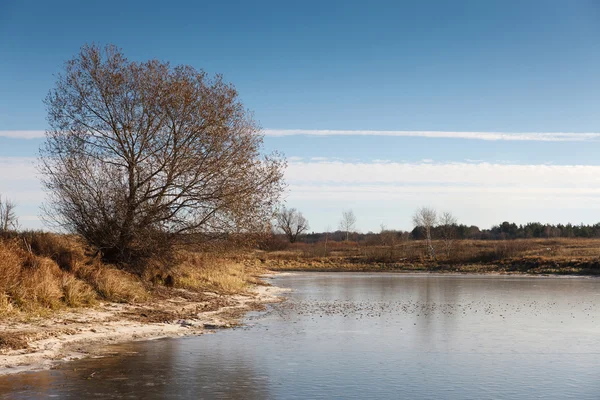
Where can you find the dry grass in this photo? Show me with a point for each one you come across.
(43, 271)
(28, 282)
(552, 256)
(77, 293)
(208, 273)
(113, 284)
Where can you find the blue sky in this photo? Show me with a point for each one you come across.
(370, 72)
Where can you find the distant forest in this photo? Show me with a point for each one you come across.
(505, 230)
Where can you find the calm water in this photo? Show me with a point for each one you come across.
(366, 336)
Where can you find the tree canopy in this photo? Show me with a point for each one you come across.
(137, 153)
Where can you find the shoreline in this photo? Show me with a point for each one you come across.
(435, 272)
(491, 274)
(83, 333)
(530, 267)
(71, 335)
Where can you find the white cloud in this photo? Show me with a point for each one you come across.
(490, 136)
(17, 168)
(478, 192)
(435, 189)
(381, 161)
(22, 134)
(494, 136)
(449, 174)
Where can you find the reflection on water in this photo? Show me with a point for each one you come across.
(367, 336)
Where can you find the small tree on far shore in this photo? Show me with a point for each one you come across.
(348, 223)
(447, 231)
(292, 223)
(426, 218)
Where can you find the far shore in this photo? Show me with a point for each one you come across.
(526, 267)
(491, 274)
(579, 257)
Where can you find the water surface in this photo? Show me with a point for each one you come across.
(358, 336)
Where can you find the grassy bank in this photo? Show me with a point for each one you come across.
(530, 256)
(41, 273)
(58, 301)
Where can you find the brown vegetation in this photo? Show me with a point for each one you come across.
(42, 271)
(548, 256)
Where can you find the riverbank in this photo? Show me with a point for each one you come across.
(41, 343)
(60, 301)
(550, 256)
(514, 266)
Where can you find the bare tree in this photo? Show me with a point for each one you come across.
(348, 222)
(139, 153)
(447, 229)
(426, 218)
(291, 222)
(8, 217)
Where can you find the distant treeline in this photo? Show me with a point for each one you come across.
(505, 230)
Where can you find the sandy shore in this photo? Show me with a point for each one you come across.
(84, 333)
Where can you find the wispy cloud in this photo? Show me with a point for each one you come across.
(491, 136)
(22, 134)
(449, 174)
(17, 169)
(400, 191)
